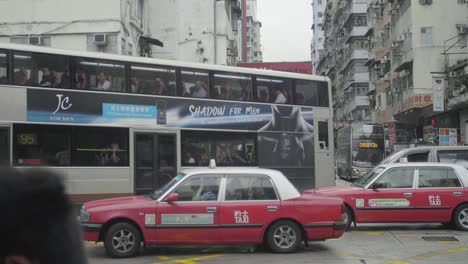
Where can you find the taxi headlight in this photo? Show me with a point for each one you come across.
(84, 215)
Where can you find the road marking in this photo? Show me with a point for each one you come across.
(374, 233)
(191, 260)
(426, 256)
(164, 257)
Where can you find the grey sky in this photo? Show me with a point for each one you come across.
(285, 33)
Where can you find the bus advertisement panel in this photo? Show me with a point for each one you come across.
(285, 133)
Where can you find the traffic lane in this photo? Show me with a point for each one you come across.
(373, 243)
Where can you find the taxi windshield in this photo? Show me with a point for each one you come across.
(368, 177)
(157, 194)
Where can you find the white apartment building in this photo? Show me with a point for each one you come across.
(253, 52)
(198, 31)
(407, 42)
(119, 27)
(318, 7)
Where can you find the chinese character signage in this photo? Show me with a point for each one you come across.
(438, 84)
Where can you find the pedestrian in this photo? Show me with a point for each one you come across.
(38, 225)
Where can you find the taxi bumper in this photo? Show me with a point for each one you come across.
(91, 231)
(326, 230)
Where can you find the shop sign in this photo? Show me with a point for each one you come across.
(438, 84)
(448, 137)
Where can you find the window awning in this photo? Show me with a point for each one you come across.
(404, 65)
(152, 41)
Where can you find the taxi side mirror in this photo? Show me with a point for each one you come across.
(380, 185)
(172, 197)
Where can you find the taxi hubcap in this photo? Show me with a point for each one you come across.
(463, 218)
(284, 237)
(123, 241)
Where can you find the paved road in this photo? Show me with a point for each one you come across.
(395, 244)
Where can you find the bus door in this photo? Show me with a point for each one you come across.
(324, 158)
(4, 145)
(155, 160)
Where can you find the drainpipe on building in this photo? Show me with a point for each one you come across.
(215, 34)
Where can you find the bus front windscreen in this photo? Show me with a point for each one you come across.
(368, 145)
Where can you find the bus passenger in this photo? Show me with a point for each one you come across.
(22, 76)
(199, 90)
(82, 81)
(160, 87)
(264, 96)
(135, 85)
(47, 78)
(280, 97)
(103, 82)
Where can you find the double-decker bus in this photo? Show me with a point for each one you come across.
(119, 125)
(360, 147)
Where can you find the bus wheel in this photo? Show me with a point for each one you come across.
(122, 241)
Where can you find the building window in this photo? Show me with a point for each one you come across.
(274, 90)
(389, 98)
(151, 79)
(195, 83)
(100, 75)
(426, 37)
(3, 68)
(45, 70)
(232, 87)
(228, 149)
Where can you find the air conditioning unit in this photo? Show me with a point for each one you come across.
(35, 40)
(462, 29)
(101, 39)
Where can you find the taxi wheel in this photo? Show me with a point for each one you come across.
(122, 240)
(349, 218)
(460, 217)
(284, 237)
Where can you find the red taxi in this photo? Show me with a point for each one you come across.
(218, 206)
(407, 193)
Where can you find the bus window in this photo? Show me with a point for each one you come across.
(230, 86)
(97, 146)
(274, 90)
(157, 80)
(3, 68)
(195, 83)
(41, 145)
(100, 75)
(323, 134)
(229, 149)
(322, 92)
(44, 70)
(306, 93)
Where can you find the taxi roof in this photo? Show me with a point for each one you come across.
(461, 171)
(285, 188)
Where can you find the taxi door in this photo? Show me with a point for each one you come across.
(439, 191)
(194, 218)
(249, 205)
(390, 198)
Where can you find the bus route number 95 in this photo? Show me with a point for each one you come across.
(27, 139)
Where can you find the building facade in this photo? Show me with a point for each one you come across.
(188, 29)
(119, 27)
(252, 47)
(344, 57)
(413, 45)
(318, 8)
